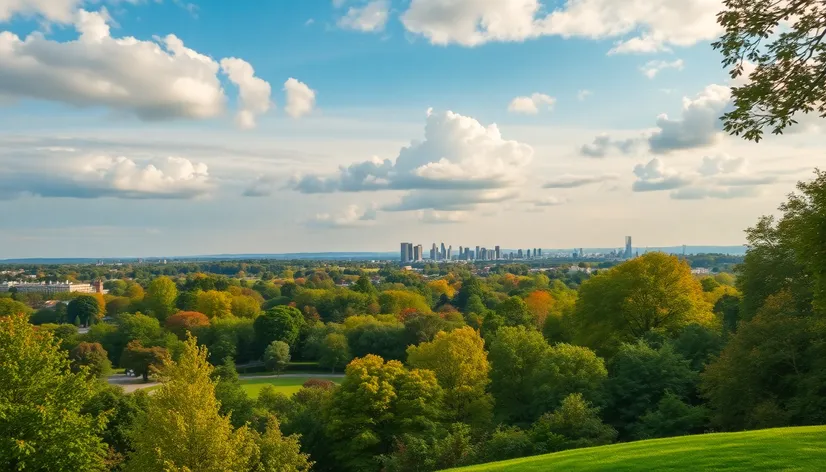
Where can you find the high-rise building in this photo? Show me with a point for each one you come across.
(434, 255)
(476, 254)
(519, 254)
(498, 253)
(406, 252)
(629, 251)
(443, 252)
(417, 253)
(449, 253)
(540, 252)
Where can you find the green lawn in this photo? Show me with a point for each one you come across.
(288, 385)
(766, 450)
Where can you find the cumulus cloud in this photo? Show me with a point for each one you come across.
(154, 80)
(253, 92)
(638, 25)
(655, 176)
(434, 217)
(74, 175)
(352, 217)
(574, 181)
(699, 125)
(300, 98)
(604, 145)
(61, 11)
(583, 94)
(652, 68)
(460, 162)
(370, 17)
(531, 105)
(721, 177)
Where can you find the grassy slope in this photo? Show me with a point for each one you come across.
(766, 450)
(288, 385)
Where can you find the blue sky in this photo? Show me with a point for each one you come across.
(200, 143)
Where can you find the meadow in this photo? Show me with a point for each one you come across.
(799, 449)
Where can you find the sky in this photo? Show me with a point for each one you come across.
(136, 128)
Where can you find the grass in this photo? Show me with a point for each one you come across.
(792, 449)
(287, 385)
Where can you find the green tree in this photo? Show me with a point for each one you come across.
(653, 292)
(308, 418)
(84, 309)
(10, 307)
(42, 426)
(277, 356)
(709, 284)
(672, 417)
(363, 285)
(234, 401)
(573, 425)
(376, 403)
(281, 323)
(122, 409)
(160, 297)
(783, 44)
(470, 287)
(396, 301)
(334, 352)
(93, 357)
(516, 356)
(772, 371)
(507, 442)
(279, 453)
(640, 376)
(182, 428)
(245, 306)
(461, 366)
(515, 312)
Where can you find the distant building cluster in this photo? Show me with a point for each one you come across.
(52, 287)
(415, 253)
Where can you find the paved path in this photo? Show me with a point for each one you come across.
(130, 384)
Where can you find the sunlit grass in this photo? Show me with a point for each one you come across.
(794, 449)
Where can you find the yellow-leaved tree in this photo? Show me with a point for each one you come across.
(459, 360)
(182, 430)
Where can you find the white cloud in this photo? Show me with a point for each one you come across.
(97, 176)
(253, 92)
(722, 164)
(352, 217)
(457, 153)
(604, 145)
(371, 17)
(530, 105)
(652, 68)
(583, 94)
(263, 186)
(154, 80)
(699, 125)
(300, 98)
(638, 25)
(656, 176)
(574, 181)
(442, 217)
(61, 11)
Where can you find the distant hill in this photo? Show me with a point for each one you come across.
(754, 451)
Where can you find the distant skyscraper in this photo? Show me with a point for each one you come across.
(540, 252)
(449, 253)
(443, 251)
(629, 251)
(406, 252)
(476, 254)
(434, 255)
(519, 254)
(498, 253)
(418, 253)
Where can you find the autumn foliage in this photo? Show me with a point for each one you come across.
(184, 321)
